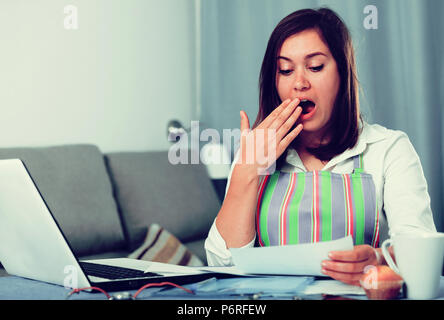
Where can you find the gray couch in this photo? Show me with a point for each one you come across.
(105, 202)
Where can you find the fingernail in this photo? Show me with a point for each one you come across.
(324, 264)
(324, 271)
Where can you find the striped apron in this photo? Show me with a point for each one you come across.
(315, 206)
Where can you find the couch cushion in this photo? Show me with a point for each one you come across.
(75, 185)
(197, 247)
(150, 190)
(161, 246)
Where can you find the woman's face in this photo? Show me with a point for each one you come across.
(307, 70)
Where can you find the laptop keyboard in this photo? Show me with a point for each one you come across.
(112, 272)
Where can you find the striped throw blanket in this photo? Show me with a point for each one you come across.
(161, 246)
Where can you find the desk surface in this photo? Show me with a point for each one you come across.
(17, 288)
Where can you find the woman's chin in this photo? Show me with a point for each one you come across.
(309, 127)
(311, 131)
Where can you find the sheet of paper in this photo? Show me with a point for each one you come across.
(301, 259)
(158, 267)
(229, 270)
(333, 287)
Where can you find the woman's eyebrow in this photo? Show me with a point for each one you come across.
(308, 56)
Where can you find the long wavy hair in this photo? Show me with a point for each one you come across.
(343, 126)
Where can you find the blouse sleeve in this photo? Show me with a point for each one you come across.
(215, 245)
(406, 199)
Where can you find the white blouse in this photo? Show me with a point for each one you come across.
(401, 188)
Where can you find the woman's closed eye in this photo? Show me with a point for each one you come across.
(287, 72)
(317, 69)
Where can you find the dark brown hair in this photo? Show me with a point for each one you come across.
(343, 126)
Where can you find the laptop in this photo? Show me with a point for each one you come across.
(32, 244)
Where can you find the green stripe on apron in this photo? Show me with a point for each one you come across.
(281, 210)
(358, 197)
(293, 221)
(326, 215)
(266, 198)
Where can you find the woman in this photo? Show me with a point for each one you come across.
(335, 174)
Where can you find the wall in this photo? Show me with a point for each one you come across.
(115, 81)
(399, 68)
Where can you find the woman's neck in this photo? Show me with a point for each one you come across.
(310, 140)
(310, 161)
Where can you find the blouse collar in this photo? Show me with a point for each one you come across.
(368, 135)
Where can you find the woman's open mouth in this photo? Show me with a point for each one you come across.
(308, 109)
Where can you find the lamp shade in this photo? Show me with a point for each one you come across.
(215, 157)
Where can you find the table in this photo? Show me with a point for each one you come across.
(45, 299)
(17, 288)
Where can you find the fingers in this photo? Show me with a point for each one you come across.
(349, 278)
(285, 142)
(282, 117)
(359, 253)
(245, 123)
(288, 124)
(273, 129)
(279, 115)
(347, 267)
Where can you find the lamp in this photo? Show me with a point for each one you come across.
(175, 129)
(213, 154)
(217, 160)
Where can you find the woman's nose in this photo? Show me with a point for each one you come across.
(301, 83)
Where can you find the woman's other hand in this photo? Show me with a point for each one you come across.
(348, 266)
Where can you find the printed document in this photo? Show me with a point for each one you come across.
(299, 259)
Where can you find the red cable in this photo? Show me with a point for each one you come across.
(159, 285)
(90, 288)
(138, 291)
